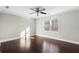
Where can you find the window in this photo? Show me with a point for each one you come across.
(51, 25)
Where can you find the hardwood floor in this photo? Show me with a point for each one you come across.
(38, 45)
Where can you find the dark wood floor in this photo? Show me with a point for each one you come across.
(38, 45)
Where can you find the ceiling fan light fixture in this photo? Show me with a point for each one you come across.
(38, 10)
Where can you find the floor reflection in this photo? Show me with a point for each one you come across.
(25, 42)
(50, 48)
(0, 47)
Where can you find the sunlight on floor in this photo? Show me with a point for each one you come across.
(50, 48)
(25, 38)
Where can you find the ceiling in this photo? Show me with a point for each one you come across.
(25, 11)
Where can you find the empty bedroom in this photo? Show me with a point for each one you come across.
(39, 29)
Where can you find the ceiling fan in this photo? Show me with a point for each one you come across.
(7, 7)
(38, 10)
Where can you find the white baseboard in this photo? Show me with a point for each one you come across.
(12, 39)
(58, 39)
(32, 34)
(9, 39)
(43, 36)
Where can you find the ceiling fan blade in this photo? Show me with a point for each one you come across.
(42, 9)
(43, 12)
(32, 12)
(33, 9)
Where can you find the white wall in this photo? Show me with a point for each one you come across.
(32, 23)
(68, 26)
(68, 23)
(11, 26)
